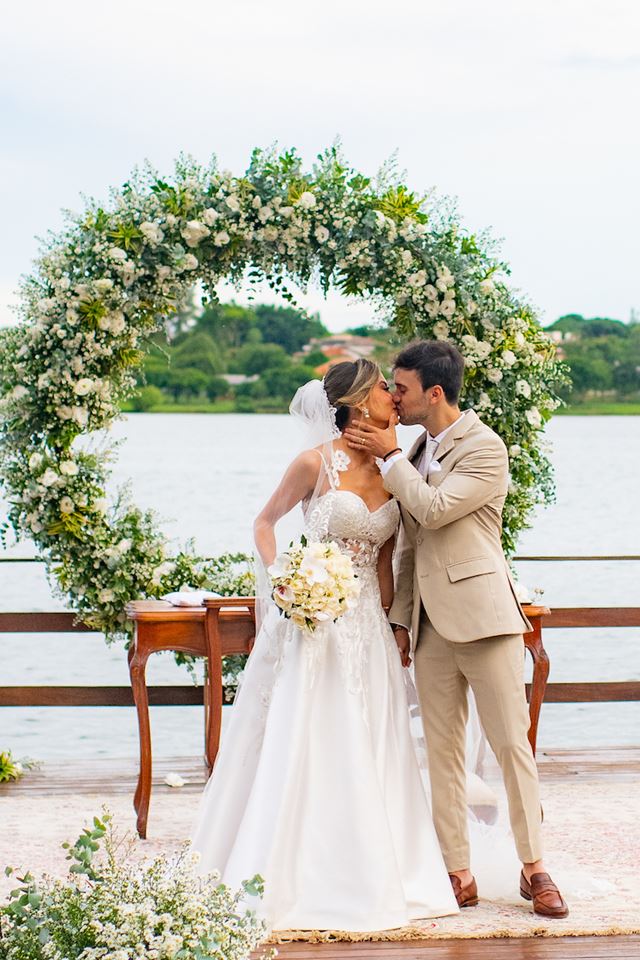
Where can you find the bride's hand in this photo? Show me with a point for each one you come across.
(404, 645)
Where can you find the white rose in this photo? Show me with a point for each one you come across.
(523, 388)
(515, 450)
(441, 284)
(256, 203)
(163, 272)
(190, 262)
(171, 220)
(80, 415)
(100, 505)
(509, 358)
(35, 461)
(106, 596)
(430, 292)
(448, 308)
(322, 234)
(494, 375)
(151, 232)
(194, 231)
(66, 505)
(69, 468)
(441, 330)
(19, 392)
(103, 284)
(417, 279)
(520, 339)
(221, 238)
(270, 234)
(307, 200)
(533, 417)
(486, 286)
(233, 203)
(117, 322)
(407, 258)
(264, 214)
(64, 413)
(49, 478)
(84, 386)
(210, 216)
(116, 253)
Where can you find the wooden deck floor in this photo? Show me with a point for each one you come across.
(107, 777)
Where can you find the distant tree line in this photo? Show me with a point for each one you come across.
(202, 345)
(603, 354)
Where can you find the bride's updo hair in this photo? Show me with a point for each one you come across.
(348, 384)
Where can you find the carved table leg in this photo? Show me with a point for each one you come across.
(137, 666)
(533, 642)
(213, 686)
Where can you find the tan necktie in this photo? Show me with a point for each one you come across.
(429, 453)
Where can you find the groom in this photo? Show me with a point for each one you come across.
(454, 589)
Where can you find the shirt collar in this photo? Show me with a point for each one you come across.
(444, 432)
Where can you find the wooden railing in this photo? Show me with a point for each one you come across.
(189, 695)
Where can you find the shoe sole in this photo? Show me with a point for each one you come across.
(469, 903)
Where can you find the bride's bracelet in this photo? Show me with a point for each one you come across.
(391, 452)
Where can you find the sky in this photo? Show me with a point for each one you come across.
(526, 112)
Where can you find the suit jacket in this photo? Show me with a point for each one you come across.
(450, 558)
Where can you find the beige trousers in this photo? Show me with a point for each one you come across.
(493, 668)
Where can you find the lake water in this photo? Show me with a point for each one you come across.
(207, 476)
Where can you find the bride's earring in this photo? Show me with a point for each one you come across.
(365, 412)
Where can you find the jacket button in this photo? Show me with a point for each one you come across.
(418, 540)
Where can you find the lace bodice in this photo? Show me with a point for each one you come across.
(343, 516)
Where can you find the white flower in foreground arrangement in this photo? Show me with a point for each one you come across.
(306, 200)
(509, 358)
(163, 272)
(515, 450)
(233, 203)
(152, 232)
(534, 417)
(494, 375)
(175, 780)
(80, 415)
(322, 234)
(487, 286)
(66, 505)
(103, 284)
(106, 596)
(193, 232)
(19, 392)
(117, 253)
(417, 279)
(84, 386)
(523, 389)
(35, 461)
(221, 239)
(69, 468)
(49, 478)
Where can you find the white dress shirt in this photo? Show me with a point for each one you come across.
(429, 452)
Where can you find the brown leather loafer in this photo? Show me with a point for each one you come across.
(547, 900)
(466, 896)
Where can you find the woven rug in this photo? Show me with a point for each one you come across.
(591, 835)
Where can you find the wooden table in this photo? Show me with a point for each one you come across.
(211, 633)
(224, 627)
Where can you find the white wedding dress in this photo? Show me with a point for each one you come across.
(317, 786)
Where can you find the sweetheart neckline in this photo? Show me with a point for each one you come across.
(371, 513)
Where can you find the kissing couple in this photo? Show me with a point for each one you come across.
(317, 786)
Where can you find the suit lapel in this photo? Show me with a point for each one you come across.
(456, 433)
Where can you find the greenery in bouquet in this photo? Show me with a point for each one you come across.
(115, 908)
(119, 271)
(11, 769)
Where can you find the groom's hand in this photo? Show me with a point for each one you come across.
(403, 643)
(376, 441)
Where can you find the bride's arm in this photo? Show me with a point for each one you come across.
(298, 482)
(385, 573)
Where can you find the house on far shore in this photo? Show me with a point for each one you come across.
(338, 347)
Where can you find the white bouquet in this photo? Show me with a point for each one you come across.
(314, 583)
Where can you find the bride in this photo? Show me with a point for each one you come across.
(317, 786)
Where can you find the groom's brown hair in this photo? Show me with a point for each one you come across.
(435, 362)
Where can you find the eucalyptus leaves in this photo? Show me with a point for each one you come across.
(117, 272)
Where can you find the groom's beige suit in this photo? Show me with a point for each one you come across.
(454, 588)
